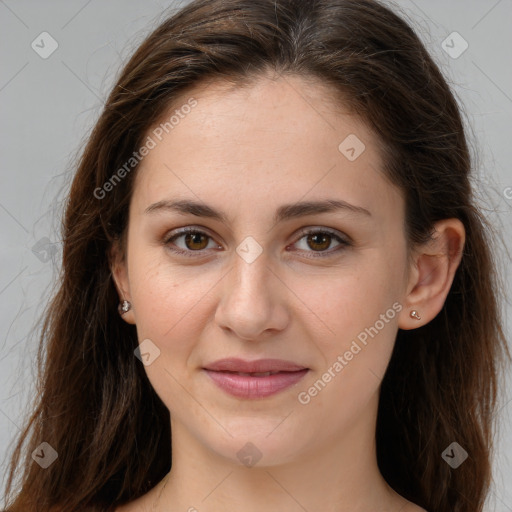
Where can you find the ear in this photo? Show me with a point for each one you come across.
(119, 271)
(431, 276)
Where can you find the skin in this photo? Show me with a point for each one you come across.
(247, 151)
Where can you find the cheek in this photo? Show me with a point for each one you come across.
(359, 313)
(362, 329)
(351, 299)
(172, 308)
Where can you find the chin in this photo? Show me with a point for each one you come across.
(256, 445)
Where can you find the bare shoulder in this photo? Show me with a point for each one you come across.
(138, 505)
(141, 504)
(129, 507)
(411, 507)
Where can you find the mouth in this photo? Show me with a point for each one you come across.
(254, 379)
(255, 374)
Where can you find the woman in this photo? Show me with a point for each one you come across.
(271, 252)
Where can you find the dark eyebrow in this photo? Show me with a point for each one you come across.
(285, 212)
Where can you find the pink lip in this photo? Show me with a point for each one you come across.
(233, 364)
(222, 372)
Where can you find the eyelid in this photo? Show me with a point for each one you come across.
(344, 241)
(176, 233)
(320, 229)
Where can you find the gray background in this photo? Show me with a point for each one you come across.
(48, 106)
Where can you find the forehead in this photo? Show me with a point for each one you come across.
(282, 138)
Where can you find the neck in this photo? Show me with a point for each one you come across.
(334, 475)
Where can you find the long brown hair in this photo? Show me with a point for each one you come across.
(95, 402)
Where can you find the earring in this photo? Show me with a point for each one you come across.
(414, 314)
(123, 307)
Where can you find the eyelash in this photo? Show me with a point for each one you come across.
(344, 243)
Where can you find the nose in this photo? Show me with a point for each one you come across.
(253, 300)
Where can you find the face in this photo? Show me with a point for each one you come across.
(261, 277)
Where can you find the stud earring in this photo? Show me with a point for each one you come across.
(123, 307)
(414, 314)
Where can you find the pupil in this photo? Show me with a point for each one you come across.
(323, 237)
(195, 237)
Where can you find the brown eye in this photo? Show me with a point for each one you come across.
(195, 241)
(319, 241)
(188, 241)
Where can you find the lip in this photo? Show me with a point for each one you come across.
(224, 374)
(233, 364)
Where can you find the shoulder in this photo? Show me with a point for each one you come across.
(132, 506)
(411, 507)
(142, 504)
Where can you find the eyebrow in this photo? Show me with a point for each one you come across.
(284, 212)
